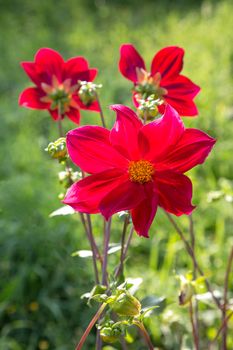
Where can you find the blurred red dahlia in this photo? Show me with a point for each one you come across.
(57, 84)
(136, 167)
(164, 80)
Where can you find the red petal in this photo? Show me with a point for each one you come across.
(157, 137)
(78, 68)
(129, 61)
(94, 106)
(92, 73)
(86, 75)
(49, 62)
(180, 93)
(54, 114)
(180, 86)
(168, 62)
(75, 65)
(191, 150)
(30, 69)
(85, 195)
(134, 98)
(143, 215)
(89, 148)
(184, 106)
(124, 134)
(174, 192)
(74, 115)
(127, 195)
(30, 98)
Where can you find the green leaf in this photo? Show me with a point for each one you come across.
(88, 253)
(148, 311)
(157, 303)
(114, 247)
(83, 253)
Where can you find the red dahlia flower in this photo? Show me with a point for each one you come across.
(57, 84)
(136, 167)
(164, 81)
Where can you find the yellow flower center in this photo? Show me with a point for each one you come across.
(141, 171)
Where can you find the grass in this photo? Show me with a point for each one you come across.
(35, 265)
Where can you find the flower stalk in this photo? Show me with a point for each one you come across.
(195, 302)
(105, 253)
(90, 326)
(192, 255)
(120, 268)
(194, 329)
(145, 334)
(225, 301)
(100, 110)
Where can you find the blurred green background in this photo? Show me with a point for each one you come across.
(41, 284)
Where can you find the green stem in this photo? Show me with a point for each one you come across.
(90, 326)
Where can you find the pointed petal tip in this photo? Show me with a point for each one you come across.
(126, 46)
(143, 234)
(116, 107)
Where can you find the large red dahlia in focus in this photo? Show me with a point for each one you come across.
(136, 167)
(164, 80)
(57, 84)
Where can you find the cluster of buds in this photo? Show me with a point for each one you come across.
(123, 304)
(68, 177)
(57, 149)
(87, 92)
(148, 108)
(111, 331)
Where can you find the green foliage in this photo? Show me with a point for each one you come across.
(41, 284)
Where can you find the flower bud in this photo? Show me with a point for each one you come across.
(148, 108)
(68, 177)
(187, 291)
(110, 333)
(126, 305)
(87, 92)
(57, 149)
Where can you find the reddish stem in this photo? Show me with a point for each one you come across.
(90, 326)
(225, 302)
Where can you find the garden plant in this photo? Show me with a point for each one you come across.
(130, 170)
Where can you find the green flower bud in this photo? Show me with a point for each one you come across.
(126, 305)
(148, 107)
(57, 149)
(187, 291)
(110, 334)
(87, 92)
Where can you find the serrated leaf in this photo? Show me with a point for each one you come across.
(65, 210)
